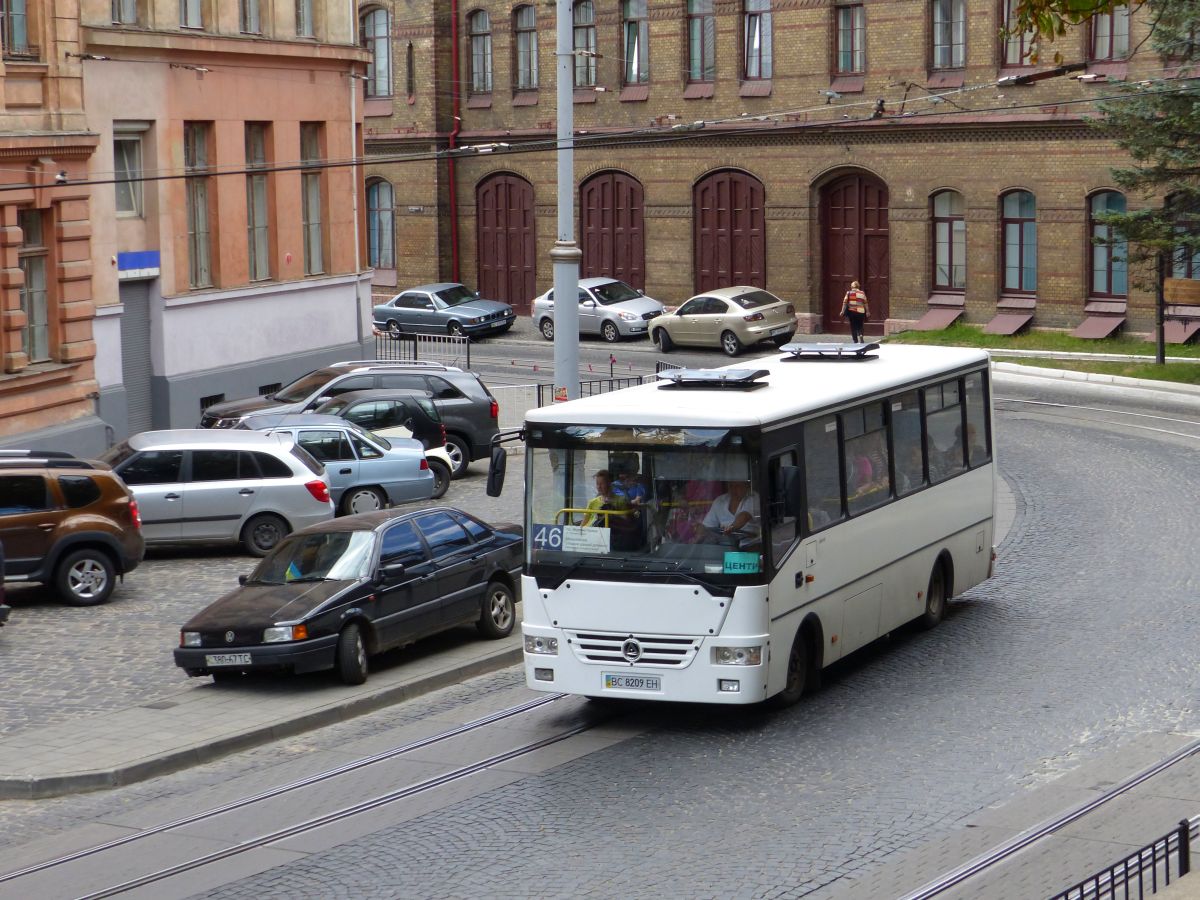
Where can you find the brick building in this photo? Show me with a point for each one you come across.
(791, 144)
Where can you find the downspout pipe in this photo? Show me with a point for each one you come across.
(452, 144)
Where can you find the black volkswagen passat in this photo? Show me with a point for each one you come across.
(331, 595)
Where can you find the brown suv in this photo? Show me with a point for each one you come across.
(67, 522)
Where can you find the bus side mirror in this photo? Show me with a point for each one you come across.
(789, 489)
(495, 479)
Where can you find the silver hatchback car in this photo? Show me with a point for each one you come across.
(607, 307)
(198, 485)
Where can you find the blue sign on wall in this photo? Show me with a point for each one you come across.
(138, 264)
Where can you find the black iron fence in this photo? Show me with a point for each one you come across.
(545, 392)
(1140, 874)
(449, 350)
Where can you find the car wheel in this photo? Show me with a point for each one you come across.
(85, 578)
(460, 455)
(782, 340)
(393, 329)
(441, 478)
(797, 674)
(730, 343)
(935, 598)
(663, 338)
(499, 612)
(362, 499)
(262, 533)
(610, 332)
(547, 329)
(454, 329)
(351, 655)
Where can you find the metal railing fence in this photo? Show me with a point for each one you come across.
(449, 350)
(1143, 873)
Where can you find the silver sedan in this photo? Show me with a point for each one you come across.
(607, 307)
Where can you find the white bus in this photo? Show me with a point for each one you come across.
(864, 479)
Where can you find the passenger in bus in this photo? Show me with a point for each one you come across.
(689, 502)
(606, 499)
(734, 512)
(629, 487)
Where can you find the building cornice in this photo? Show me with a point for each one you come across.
(128, 42)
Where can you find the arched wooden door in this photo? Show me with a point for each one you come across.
(730, 234)
(854, 230)
(613, 237)
(507, 255)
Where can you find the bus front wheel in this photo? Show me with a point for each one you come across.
(935, 598)
(797, 674)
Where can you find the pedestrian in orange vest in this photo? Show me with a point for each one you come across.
(855, 308)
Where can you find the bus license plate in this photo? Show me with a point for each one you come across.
(632, 682)
(227, 659)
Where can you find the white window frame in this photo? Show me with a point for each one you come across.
(310, 195)
(195, 155)
(128, 172)
(35, 299)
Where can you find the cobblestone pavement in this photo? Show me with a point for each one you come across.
(1083, 641)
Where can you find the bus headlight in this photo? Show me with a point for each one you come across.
(737, 656)
(543, 646)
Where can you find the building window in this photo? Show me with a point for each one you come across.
(127, 170)
(585, 43)
(1185, 259)
(949, 33)
(258, 233)
(702, 41)
(526, 44)
(756, 39)
(124, 12)
(851, 39)
(250, 21)
(635, 30)
(191, 13)
(376, 37)
(479, 31)
(381, 231)
(195, 163)
(1018, 46)
(949, 242)
(1109, 259)
(310, 187)
(1110, 34)
(14, 24)
(35, 339)
(410, 71)
(1019, 226)
(304, 18)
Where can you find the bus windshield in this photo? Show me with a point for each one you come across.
(641, 500)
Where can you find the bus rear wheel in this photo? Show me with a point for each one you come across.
(935, 598)
(797, 674)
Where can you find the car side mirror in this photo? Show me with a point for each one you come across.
(641, 293)
(242, 579)
(389, 573)
(495, 479)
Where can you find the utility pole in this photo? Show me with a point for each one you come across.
(566, 254)
(1160, 355)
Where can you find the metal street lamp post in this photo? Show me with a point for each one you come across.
(566, 254)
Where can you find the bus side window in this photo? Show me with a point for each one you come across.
(978, 451)
(906, 442)
(822, 472)
(868, 474)
(783, 526)
(943, 430)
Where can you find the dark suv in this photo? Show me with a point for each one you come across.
(67, 522)
(468, 409)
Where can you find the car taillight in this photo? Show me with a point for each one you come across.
(133, 511)
(319, 490)
(424, 464)
(495, 410)
(753, 317)
(443, 428)
(791, 310)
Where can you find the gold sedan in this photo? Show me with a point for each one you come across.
(732, 318)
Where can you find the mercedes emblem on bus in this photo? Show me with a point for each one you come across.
(631, 650)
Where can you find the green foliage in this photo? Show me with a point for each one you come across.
(960, 335)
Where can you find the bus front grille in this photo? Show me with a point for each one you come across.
(633, 649)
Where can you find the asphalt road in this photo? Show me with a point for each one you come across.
(1082, 643)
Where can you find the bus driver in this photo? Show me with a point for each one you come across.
(734, 511)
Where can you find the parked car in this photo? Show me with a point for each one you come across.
(607, 307)
(366, 472)
(337, 593)
(468, 409)
(4, 610)
(66, 522)
(731, 318)
(198, 486)
(442, 309)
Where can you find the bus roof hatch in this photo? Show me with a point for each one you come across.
(738, 379)
(831, 352)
